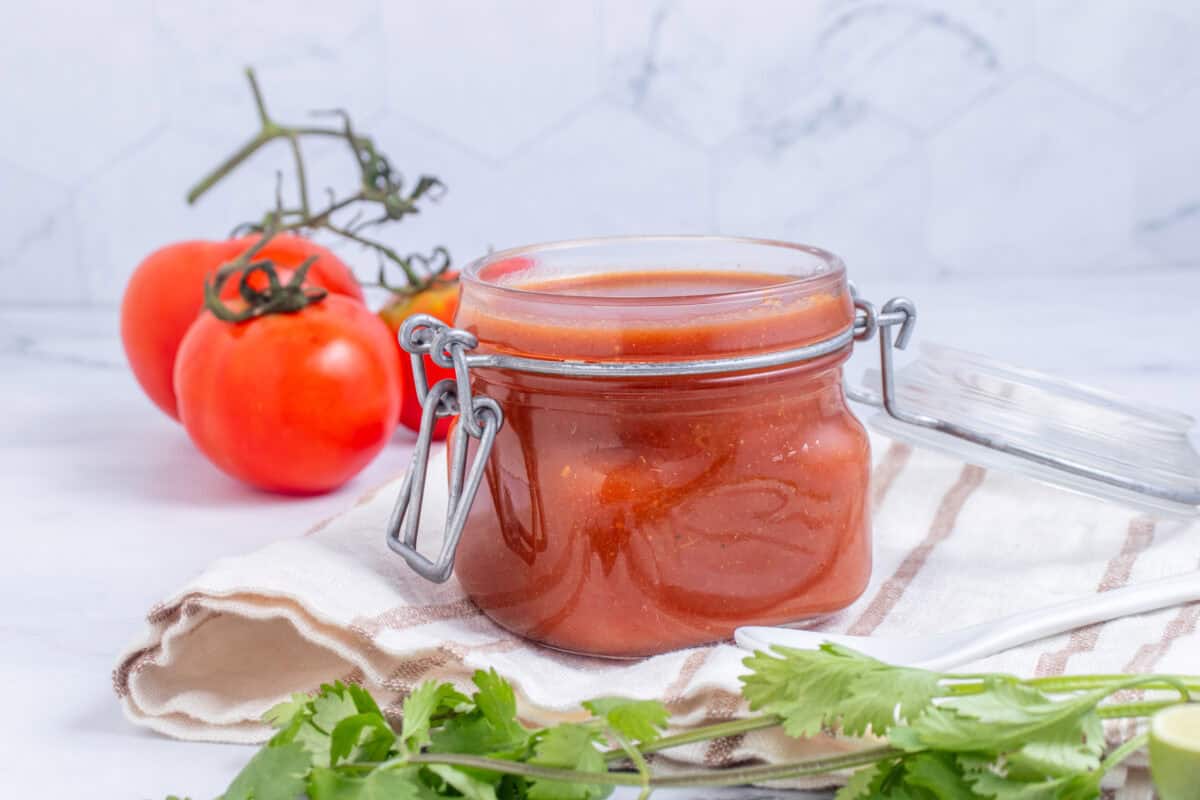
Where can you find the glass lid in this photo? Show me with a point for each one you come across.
(1056, 431)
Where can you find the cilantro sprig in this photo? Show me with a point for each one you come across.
(936, 736)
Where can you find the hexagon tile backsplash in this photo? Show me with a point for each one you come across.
(935, 137)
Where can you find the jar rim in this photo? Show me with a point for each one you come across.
(833, 269)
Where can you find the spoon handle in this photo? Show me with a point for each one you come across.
(988, 638)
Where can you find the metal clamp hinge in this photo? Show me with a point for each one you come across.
(479, 417)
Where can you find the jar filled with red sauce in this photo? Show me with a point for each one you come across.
(634, 515)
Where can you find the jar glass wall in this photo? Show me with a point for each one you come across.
(629, 516)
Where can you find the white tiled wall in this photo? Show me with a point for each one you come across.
(944, 137)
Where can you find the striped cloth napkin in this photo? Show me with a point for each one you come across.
(954, 545)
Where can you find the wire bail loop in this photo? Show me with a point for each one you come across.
(480, 417)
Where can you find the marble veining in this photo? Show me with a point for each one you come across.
(1049, 136)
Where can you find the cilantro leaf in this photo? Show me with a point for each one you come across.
(274, 773)
(495, 698)
(466, 783)
(637, 720)
(314, 719)
(392, 783)
(282, 714)
(473, 735)
(362, 737)
(990, 784)
(803, 687)
(332, 705)
(1054, 736)
(421, 706)
(316, 742)
(884, 780)
(569, 746)
(939, 774)
(491, 728)
(971, 763)
(864, 782)
(815, 689)
(881, 694)
(363, 701)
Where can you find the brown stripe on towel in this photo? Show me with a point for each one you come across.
(405, 677)
(320, 526)
(691, 665)
(943, 525)
(135, 663)
(720, 752)
(163, 614)
(1083, 640)
(160, 614)
(408, 674)
(887, 470)
(1182, 624)
(372, 493)
(1148, 655)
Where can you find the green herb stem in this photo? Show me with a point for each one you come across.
(1079, 683)
(724, 777)
(703, 734)
(1123, 752)
(1070, 684)
(638, 760)
(1144, 708)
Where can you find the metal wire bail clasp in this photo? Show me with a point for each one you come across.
(479, 418)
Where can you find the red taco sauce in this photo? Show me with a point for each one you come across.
(631, 516)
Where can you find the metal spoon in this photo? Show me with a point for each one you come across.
(946, 650)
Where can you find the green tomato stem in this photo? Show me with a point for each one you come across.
(379, 186)
(230, 164)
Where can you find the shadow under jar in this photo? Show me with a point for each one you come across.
(634, 515)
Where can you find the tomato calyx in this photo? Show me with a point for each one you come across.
(276, 297)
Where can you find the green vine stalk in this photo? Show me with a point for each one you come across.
(381, 195)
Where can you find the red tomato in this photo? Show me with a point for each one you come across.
(166, 293)
(440, 301)
(295, 403)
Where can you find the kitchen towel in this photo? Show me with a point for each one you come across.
(954, 545)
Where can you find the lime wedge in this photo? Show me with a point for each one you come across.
(1175, 752)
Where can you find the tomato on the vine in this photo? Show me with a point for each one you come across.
(165, 294)
(441, 301)
(292, 402)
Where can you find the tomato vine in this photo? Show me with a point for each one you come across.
(382, 195)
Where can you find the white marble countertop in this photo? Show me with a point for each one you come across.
(108, 506)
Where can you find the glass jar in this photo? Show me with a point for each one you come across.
(632, 515)
(653, 445)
